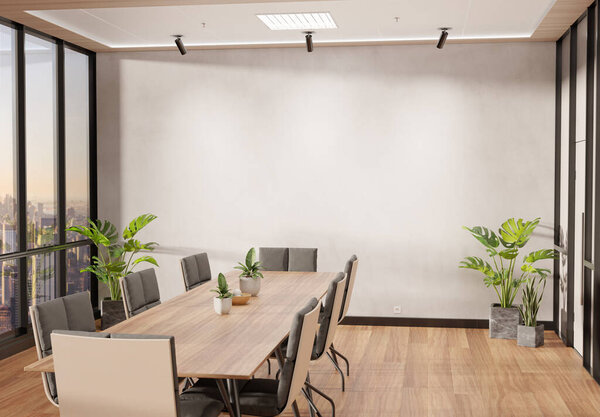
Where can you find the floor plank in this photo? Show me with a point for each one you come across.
(403, 371)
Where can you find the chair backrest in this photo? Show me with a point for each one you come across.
(350, 270)
(302, 259)
(330, 313)
(196, 270)
(117, 376)
(274, 259)
(298, 353)
(72, 312)
(140, 292)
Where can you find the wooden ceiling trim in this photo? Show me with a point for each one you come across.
(559, 18)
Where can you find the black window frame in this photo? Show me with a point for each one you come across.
(22, 337)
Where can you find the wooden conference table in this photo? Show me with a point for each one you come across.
(229, 347)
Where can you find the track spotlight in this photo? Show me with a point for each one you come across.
(309, 42)
(180, 44)
(443, 37)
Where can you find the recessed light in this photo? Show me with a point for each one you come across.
(298, 21)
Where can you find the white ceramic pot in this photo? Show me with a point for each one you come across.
(222, 305)
(250, 285)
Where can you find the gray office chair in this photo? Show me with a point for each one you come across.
(350, 270)
(273, 259)
(269, 397)
(328, 322)
(94, 375)
(73, 312)
(302, 259)
(140, 292)
(196, 270)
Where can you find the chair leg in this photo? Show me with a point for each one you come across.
(309, 392)
(322, 394)
(311, 404)
(295, 409)
(345, 359)
(269, 365)
(337, 367)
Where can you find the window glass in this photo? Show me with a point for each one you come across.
(77, 119)
(8, 208)
(40, 131)
(77, 259)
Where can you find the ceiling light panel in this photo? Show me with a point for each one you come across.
(298, 21)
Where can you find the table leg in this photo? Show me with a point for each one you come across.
(225, 396)
(235, 397)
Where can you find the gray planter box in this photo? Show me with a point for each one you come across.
(504, 322)
(113, 312)
(530, 336)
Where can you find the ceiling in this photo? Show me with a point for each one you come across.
(103, 25)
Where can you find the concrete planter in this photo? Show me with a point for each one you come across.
(504, 322)
(113, 312)
(250, 285)
(222, 305)
(530, 336)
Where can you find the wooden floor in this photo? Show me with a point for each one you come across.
(403, 371)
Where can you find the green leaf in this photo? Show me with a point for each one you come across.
(148, 259)
(478, 264)
(517, 232)
(510, 253)
(540, 255)
(250, 257)
(137, 224)
(485, 236)
(543, 272)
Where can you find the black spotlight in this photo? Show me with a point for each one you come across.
(180, 44)
(309, 42)
(443, 38)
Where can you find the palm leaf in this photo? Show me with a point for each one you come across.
(478, 264)
(137, 224)
(540, 255)
(517, 232)
(510, 253)
(148, 259)
(485, 236)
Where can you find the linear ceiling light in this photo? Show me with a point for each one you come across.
(298, 21)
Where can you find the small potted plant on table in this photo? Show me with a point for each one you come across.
(529, 333)
(251, 275)
(503, 249)
(222, 302)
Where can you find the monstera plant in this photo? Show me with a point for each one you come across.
(116, 258)
(502, 273)
(503, 250)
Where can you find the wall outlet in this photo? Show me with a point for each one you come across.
(397, 309)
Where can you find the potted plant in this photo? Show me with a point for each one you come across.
(222, 302)
(249, 278)
(503, 248)
(529, 333)
(115, 259)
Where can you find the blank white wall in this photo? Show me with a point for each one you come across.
(380, 151)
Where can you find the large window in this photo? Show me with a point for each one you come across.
(47, 178)
(8, 208)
